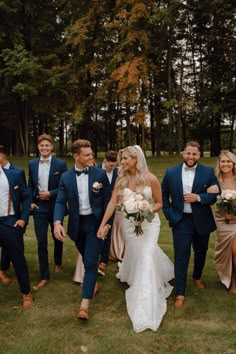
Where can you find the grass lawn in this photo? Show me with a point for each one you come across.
(206, 323)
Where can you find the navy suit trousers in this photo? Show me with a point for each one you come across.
(185, 235)
(11, 239)
(41, 222)
(90, 247)
(5, 260)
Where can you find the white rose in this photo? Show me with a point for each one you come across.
(131, 206)
(227, 194)
(143, 205)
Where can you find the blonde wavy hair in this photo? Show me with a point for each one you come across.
(141, 169)
(218, 172)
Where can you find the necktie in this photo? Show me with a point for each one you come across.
(42, 161)
(78, 172)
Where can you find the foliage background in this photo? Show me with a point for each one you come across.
(155, 73)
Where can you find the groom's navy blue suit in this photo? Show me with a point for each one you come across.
(187, 229)
(82, 229)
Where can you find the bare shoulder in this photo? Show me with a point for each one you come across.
(152, 179)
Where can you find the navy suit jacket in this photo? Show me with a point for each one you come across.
(57, 167)
(173, 202)
(68, 196)
(19, 191)
(114, 176)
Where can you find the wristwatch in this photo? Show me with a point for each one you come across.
(198, 198)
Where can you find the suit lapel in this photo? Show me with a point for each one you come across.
(90, 181)
(74, 182)
(197, 178)
(114, 178)
(36, 171)
(51, 171)
(10, 178)
(179, 179)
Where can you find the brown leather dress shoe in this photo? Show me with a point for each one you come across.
(83, 314)
(4, 278)
(27, 300)
(41, 284)
(179, 301)
(199, 284)
(58, 269)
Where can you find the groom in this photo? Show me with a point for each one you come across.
(86, 190)
(187, 207)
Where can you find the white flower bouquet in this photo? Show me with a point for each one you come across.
(228, 202)
(137, 208)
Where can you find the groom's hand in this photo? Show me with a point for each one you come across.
(102, 232)
(59, 231)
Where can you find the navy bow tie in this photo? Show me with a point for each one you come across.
(78, 172)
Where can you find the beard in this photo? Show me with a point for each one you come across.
(190, 165)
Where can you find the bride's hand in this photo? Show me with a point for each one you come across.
(228, 216)
(213, 189)
(103, 231)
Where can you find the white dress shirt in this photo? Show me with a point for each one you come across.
(188, 174)
(82, 185)
(43, 173)
(4, 193)
(109, 174)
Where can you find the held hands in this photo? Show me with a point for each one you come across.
(103, 231)
(59, 231)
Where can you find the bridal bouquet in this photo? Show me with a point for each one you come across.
(136, 208)
(228, 202)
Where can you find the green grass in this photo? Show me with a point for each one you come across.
(206, 324)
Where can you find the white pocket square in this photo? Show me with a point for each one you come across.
(56, 173)
(16, 187)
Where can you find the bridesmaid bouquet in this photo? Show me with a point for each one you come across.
(137, 208)
(228, 202)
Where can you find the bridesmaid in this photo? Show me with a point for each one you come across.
(225, 248)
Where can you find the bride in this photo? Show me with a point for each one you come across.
(145, 267)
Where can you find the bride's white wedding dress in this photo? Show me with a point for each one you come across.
(147, 271)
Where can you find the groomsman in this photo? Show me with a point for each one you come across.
(187, 207)
(14, 215)
(44, 177)
(109, 164)
(86, 190)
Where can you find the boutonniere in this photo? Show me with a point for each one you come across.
(97, 186)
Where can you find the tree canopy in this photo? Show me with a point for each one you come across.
(154, 73)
